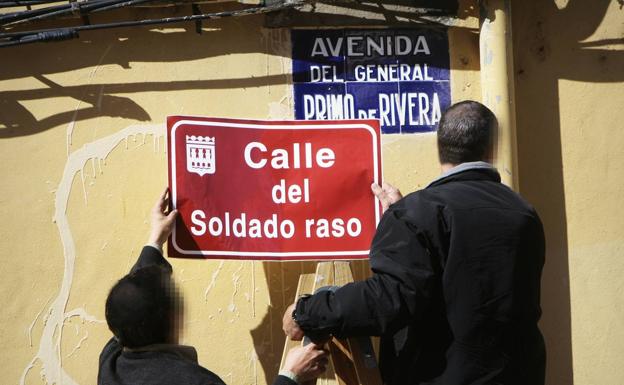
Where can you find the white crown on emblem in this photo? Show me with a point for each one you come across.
(200, 154)
(192, 139)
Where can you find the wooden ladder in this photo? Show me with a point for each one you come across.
(352, 360)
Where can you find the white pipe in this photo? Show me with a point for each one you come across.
(497, 83)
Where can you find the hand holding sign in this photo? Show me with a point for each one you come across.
(290, 190)
(387, 194)
(162, 221)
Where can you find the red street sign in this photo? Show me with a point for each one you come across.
(273, 190)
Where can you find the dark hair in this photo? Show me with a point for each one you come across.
(465, 132)
(140, 308)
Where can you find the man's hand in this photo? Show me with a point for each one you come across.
(306, 362)
(387, 194)
(289, 325)
(162, 222)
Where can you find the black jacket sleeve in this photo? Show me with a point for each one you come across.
(403, 281)
(151, 256)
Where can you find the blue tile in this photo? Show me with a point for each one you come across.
(317, 43)
(376, 101)
(423, 104)
(318, 55)
(318, 101)
(429, 52)
(399, 76)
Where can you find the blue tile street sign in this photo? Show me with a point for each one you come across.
(399, 76)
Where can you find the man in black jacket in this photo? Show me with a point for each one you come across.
(456, 267)
(142, 312)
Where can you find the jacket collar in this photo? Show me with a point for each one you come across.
(468, 171)
(182, 351)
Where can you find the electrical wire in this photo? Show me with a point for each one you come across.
(25, 3)
(8, 17)
(58, 34)
(75, 7)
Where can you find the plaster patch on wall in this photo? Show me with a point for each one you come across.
(253, 365)
(78, 345)
(50, 343)
(253, 288)
(277, 43)
(489, 56)
(84, 316)
(236, 281)
(284, 108)
(280, 110)
(32, 324)
(84, 189)
(282, 280)
(69, 131)
(213, 280)
(71, 125)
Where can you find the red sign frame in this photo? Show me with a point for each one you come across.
(307, 181)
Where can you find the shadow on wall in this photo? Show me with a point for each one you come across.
(122, 47)
(282, 280)
(550, 45)
(110, 48)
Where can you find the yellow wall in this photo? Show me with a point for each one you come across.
(569, 61)
(82, 157)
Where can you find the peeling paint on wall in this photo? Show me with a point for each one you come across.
(49, 353)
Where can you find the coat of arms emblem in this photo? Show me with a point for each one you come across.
(200, 154)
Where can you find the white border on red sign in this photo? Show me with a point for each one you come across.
(270, 127)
